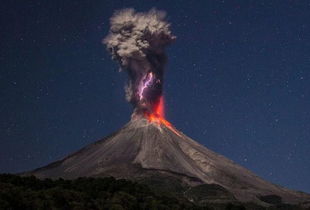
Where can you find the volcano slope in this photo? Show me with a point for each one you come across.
(155, 152)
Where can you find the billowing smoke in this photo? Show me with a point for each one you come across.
(137, 41)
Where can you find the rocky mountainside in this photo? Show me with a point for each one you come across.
(154, 152)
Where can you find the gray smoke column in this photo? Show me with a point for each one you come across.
(138, 41)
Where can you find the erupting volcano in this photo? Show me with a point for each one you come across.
(138, 41)
(149, 148)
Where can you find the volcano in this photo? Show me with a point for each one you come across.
(149, 148)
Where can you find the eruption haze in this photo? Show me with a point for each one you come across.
(138, 41)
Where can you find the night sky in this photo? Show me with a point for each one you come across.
(237, 81)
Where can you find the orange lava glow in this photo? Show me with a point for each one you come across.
(158, 116)
(160, 107)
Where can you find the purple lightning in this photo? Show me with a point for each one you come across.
(145, 84)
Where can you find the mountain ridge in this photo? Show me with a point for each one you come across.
(144, 149)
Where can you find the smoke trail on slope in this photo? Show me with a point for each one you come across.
(138, 41)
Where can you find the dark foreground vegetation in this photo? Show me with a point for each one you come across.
(83, 193)
(88, 193)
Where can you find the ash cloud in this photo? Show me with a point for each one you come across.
(138, 41)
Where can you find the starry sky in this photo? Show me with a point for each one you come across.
(237, 81)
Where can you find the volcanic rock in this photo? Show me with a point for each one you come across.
(155, 152)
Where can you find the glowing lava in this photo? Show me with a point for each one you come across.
(159, 109)
(158, 116)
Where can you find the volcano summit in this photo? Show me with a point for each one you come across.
(148, 148)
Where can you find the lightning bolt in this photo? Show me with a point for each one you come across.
(146, 82)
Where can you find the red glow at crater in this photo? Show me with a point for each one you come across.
(158, 116)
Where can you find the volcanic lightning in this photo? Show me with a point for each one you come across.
(145, 84)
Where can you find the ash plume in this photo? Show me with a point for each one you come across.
(138, 41)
